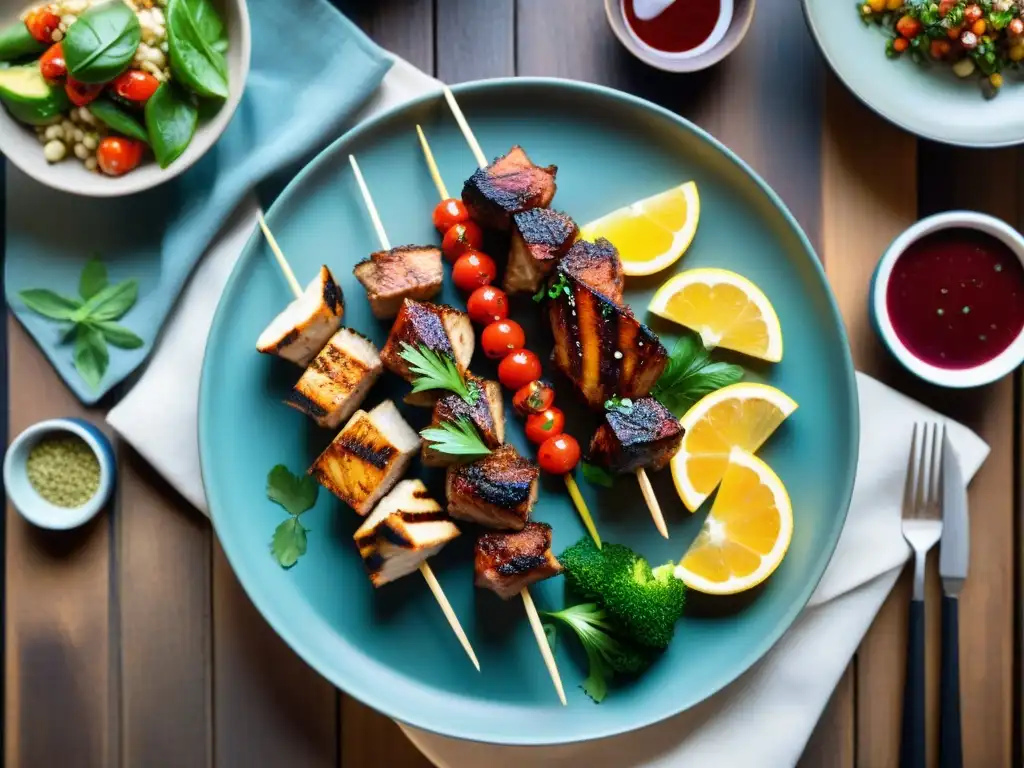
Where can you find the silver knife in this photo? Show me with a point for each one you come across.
(956, 543)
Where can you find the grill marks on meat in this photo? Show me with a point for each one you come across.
(305, 325)
(598, 266)
(508, 562)
(512, 183)
(540, 237)
(600, 346)
(487, 414)
(647, 435)
(497, 491)
(406, 272)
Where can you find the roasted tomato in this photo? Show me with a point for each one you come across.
(487, 304)
(463, 237)
(533, 398)
(502, 337)
(547, 423)
(473, 270)
(448, 213)
(559, 454)
(518, 369)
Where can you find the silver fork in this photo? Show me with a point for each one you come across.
(922, 527)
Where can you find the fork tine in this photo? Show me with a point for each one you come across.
(908, 485)
(922, 472)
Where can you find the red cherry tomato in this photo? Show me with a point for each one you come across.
(559, 454)
(535, 397)
(82, 93)
(487, 304)
(518, 368)
(473, 270)
(501, 338)
(52, 64)
(116, 155)
(547, 423)
(42, 23)
(135, 85)
(448, 213)
(466, 236)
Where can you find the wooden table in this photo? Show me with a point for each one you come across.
(130, 642)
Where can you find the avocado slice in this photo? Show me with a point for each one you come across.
(29, 97)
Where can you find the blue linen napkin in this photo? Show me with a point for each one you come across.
(311, 69)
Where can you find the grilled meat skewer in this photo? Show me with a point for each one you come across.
(487, 414)
(305, 325)
(497, 491)
(406, 272)
(540, 238)
(511, 184)
(644, 436)
(598, 266)
(508, 562)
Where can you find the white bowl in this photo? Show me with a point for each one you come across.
(987, 372)
(19, 144)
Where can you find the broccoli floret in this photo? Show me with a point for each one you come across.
(587, 568)
(607, 651)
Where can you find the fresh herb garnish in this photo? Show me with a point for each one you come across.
(90, 318)
(691, 374)
(458, 438)
(296, 493)
(620, 404)
(596, 475)
(436, 371)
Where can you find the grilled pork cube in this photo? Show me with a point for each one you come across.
(367, 457)
(508, 562)
(598, 266)
(305, 325)
(497, 491)
(338, 379)
(406, 527)
(407, 272)
(512, 183)
(601, 347)
(644, 435)
(540, 237)
(487, 414)
(435, 326)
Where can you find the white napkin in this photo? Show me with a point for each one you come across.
(778, 702)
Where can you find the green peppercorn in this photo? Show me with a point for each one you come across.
(63, 470)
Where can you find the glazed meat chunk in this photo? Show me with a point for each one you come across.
(497, 491)
(507, 562)
(512, 183)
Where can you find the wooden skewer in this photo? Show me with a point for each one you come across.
(645, 484)
(435, 174)
(428, 574)
(385, 244)
(542, 643)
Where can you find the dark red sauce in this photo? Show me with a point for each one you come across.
(956, 298)
(681, 27)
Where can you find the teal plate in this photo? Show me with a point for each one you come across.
(391, 647)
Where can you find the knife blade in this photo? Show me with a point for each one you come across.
(955, 544)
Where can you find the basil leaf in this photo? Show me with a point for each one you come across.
(109, 304)
(118, 120)
(194, 63)
(93, 279)
(171, 120)
(118, 335)
(91, 355)
(206, 21)
(596, 475)
(101, 44)
(220, 46)
(49, 304)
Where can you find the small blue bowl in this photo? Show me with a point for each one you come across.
(27, 500)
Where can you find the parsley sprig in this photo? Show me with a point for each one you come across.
(458, 438)
(620, 404)
(296, 493)
(436, 371)
(691, 374)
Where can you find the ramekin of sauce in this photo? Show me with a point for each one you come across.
(59, 473)
(947, 299)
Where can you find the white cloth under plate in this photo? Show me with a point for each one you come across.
(775, 706)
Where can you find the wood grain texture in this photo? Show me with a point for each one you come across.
(404, 27)
(832, 743)
(370, 739)
(60, 651)
(474, 40)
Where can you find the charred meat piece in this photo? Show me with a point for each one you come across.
(338, 379)
(601, 347)
(487, 414)
(508, 562)
(497, 491)
(405, 528)
(512, 183)
(645, 434)
(367, 457)
(540, 238)
(407, 272)
(598, 266)
(435, 326)
(305, 325)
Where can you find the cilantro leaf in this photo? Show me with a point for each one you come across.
(295, 493)
(596, 475)
(458, 438)
(691, 374)
(436, 371)
(289, 542)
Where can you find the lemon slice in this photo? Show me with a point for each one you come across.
(742, 416)
(726, 309)
(652, 233)
(747, 533)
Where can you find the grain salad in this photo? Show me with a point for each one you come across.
(110, 83)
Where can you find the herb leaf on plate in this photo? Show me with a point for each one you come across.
(110, 303)
(459, 438)
(91, 355)
(171, 120)
(691, 374)
(118, 335)
(289, 542)
(194, 62)
(436, 371)
(596, 475)
(296, 493)
(102, 42)
(49, 304)
(93, 278)
(118, 120)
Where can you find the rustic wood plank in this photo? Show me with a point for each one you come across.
(368, 738)
(60, 650)
(832, 743)
(474, 40)
(404, 27)
(163, 577)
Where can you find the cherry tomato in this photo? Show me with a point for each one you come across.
(52, 63)
(473, 270)
(501, 338)
(116, 155)
(518, 368)
(559, 454)
(466, 236)
(487, 304)
(82, 93)
(448, 213)
(42, 23)
(547, 423)
(535, 397)
(135, 85)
